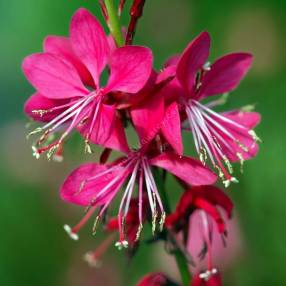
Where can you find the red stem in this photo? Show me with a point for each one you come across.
(136, 12)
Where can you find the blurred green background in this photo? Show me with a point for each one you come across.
(34, 250)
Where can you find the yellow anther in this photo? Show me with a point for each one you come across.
(52, 151)
(41, 112)
(254, 136)
(162, 221)
(228, 164)
(248, 108)
(203, 155)
(37, 130)
(154, 220)
(241, 160)
(95, 225)
(139, 231)
(242, 146)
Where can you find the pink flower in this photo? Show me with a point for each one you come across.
(95, 186)
(69, 93)
(155, 279)
(225, 137)
(203, 203)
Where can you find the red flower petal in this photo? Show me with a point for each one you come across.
(226, 73)
(171, 128)
(131, 68)
(61, 47)
(77, 190)
(147, 118)
(53, 77)
(192, 59)
(39, 102)
(189, 170)
(89, 42)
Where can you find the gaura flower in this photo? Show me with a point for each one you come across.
(96, 185)
(203, 203)
(69, 93)
(221, 137)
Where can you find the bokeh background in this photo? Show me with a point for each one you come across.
(34, 250)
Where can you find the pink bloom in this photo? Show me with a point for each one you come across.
(225, 137)
(155, 279)
(62, 73)
(96, 185)
(203, 203)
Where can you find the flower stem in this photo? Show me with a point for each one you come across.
(113, 23)
(181, 260)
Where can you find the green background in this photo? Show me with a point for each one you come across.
(34, 250)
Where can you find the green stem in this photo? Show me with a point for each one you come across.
(113, 23)
(183, 267)
(178, 254)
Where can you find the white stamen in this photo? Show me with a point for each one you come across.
(223, 118)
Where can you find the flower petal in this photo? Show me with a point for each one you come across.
(76, 189)
(211, 209)
(226, 73)
(107, 129)
(171, 128)
(117, 139)
(53, 77)
(61, 47)
(192, 59)
(216, 196)
(187, 169)
(37, 102)
(89, 42)
(147, 118)
(155, 279)
(131, 67)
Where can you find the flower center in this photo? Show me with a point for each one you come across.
(137, 169)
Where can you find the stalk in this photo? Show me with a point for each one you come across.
(113, 23)
(180, 258)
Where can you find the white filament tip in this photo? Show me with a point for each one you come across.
(35, 152)
(121, 244)
(91, 260)
(72, 235)
(58, 158)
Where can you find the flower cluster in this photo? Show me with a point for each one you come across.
(71, 97)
